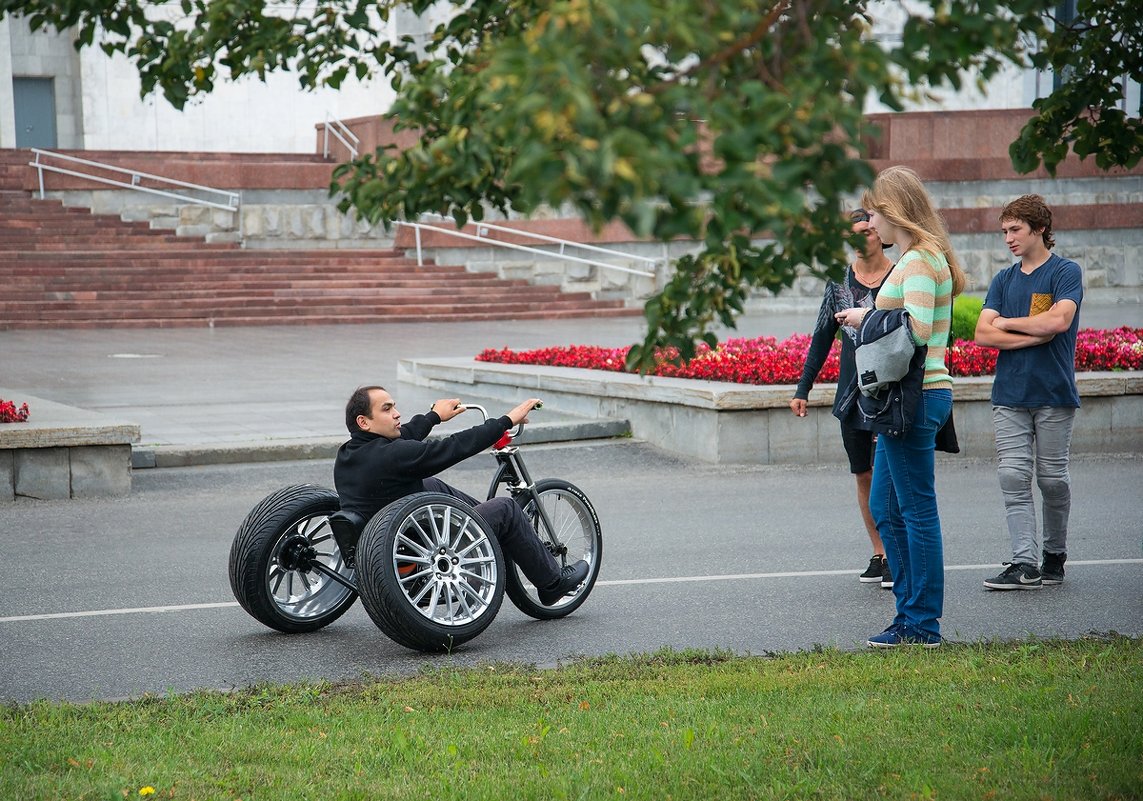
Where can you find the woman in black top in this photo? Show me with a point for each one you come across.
(862, 280)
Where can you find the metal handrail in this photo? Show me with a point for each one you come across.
(339, 128)
(417, 227)
(232, 202)
(483, 227)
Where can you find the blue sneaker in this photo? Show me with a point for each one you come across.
(903, 634)
(889, 638)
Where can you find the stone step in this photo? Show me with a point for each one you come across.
(286, 315)
(210, 288)
(206, 293)
(68, 269)
(51, 243)
(355, 318)
(112, 270)
(427, 303)
(223, 258)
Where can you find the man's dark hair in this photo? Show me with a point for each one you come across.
(358, 404)
(1033, 210)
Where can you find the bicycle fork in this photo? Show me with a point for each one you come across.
(523, 490)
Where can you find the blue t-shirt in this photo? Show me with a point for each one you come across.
(1042, 375)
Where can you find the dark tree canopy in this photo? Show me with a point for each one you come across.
(736, 124)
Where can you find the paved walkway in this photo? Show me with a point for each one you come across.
(271, 387)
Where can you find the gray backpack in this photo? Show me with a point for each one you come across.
(884, 350)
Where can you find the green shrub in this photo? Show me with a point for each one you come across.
(966, 311)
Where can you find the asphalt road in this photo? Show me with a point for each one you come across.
(116, 598)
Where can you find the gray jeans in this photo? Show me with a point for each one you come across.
(1038, 438)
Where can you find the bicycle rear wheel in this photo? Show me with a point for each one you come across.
(275, 556)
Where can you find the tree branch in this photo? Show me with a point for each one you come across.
(734, 48)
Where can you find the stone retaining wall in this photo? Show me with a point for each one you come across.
(62, 452)
(734, 423)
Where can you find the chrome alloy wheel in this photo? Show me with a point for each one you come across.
(445, 564)
(300, 591)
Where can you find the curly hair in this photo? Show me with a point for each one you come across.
(358, 404)
(1033, 210)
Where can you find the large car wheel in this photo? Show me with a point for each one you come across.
(278, 557)
(431, 574)
(575, 535)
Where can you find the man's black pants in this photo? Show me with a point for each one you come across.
(512, 530)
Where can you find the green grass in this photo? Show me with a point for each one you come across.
(1030, 720)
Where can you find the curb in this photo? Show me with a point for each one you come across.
(287, 450)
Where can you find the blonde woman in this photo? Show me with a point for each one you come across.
(903, 498)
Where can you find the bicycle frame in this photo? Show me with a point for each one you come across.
(513, 473)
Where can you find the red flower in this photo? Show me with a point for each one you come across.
(10, 413)
(765, 360)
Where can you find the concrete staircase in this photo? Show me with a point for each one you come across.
(305, 262)
(68, 268)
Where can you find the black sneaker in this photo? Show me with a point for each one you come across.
(571, 576)
(1052, 571)
(878, 567)
(886, 576)
(1016, 577)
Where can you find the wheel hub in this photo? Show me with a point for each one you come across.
(297, 554)
(446, 563)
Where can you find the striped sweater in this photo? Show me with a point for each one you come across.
(921, 283)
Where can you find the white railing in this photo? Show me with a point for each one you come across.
(481, 235)
(342, 133)
(229, 201)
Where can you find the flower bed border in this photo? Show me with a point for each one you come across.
(747, 424)
(64, 452)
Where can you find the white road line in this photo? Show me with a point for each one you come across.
(805, 573)
(102, 612)
(611, 583)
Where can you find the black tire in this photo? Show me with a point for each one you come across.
(271, 560)
(577, 536)
(431, 575)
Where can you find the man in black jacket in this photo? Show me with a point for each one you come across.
(385, 460)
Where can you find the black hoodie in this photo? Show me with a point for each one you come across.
(372, 471)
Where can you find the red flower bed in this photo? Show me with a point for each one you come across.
(765, 360)
(10, 413)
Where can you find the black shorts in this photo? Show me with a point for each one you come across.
(859, 448)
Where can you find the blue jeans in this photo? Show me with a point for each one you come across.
(903, 501)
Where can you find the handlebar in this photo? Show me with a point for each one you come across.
(514, 431)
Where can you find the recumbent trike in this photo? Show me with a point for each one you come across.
(429, 573)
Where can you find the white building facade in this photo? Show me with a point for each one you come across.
(52, 96)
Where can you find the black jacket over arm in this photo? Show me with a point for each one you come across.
(372, 471)
(825, 331)
(892, 409)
